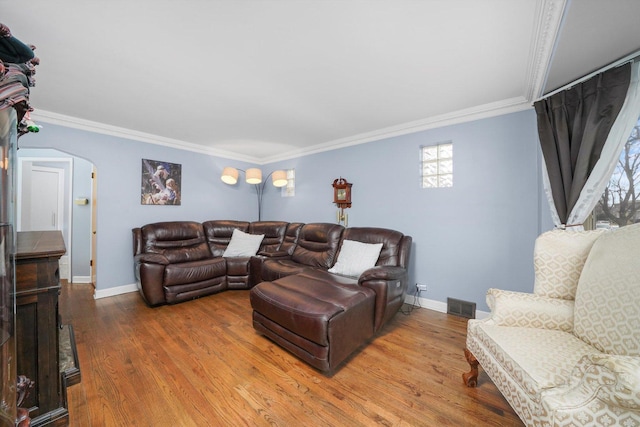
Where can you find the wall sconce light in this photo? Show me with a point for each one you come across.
(253, 176)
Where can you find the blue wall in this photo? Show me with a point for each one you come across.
(476, 235)
(118, 163)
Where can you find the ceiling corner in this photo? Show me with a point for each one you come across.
(548, 24)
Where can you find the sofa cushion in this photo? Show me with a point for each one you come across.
(607, 307)
(356, 257)
(218, 233)
(291, 237)
(558, 258)
(273, 269)
(195, 271)
(307, 306)
(273, 231)
(536, 358)
(318, 244)
(178, 241)
(243, 244)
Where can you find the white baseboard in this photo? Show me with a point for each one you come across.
(81, 279)
(437, 305)
(118, 290)
(409, 299)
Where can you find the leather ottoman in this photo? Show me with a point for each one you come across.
(320, 320)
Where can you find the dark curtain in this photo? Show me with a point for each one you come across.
(573, 126)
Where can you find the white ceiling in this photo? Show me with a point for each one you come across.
(263, 80)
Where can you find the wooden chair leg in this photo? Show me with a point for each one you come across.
(471, 378)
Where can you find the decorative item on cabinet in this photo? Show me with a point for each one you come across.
(342, 198)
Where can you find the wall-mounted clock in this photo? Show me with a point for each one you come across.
(342, 193)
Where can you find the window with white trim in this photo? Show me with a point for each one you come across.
(436, 165)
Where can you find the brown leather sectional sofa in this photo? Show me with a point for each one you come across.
(181, 260)
(319, 316)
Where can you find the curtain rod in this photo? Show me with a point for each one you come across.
(629, 58)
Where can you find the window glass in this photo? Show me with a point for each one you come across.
(619, 205)
(437, 165)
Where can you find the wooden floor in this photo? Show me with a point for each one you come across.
(200, 363)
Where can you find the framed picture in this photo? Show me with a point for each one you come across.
(161, 182)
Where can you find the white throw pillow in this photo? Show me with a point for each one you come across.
(356, 257)
(243, 244)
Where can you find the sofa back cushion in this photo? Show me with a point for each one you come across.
(607, 306)
(391, 243)
(291, 237)
(219, 232)
(558, 259)
(273, 231)
(318, 244)
(178, 241)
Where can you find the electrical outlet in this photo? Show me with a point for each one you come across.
(420, 287)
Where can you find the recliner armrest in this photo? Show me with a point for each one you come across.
(274, 254)
(149, 271)
(509, 308)
(390, 285)
(151, 259)
(382, 273)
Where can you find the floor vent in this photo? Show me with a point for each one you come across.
(461, 308)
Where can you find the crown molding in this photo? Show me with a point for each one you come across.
(499, 108)
(119, 132)
(494, 109)
(549, 19)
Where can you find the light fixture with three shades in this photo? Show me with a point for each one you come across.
(254, 176)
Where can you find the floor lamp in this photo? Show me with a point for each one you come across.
(253, 176)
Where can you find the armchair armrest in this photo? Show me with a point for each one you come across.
(521, 309)
(600, 383)
(625, 391)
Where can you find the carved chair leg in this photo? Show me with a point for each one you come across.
(471, 378)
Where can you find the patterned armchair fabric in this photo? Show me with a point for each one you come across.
(558, 259)
(565, 362)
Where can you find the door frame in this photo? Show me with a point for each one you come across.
(94, 224)
(68, 201)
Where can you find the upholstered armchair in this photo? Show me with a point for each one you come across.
(568, 353)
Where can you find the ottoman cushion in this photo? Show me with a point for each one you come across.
(319, 320)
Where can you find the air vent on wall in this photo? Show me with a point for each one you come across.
(461, 308)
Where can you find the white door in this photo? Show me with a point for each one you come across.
(41, 203)
(46, 190)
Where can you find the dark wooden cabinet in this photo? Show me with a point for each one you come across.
(38, 325)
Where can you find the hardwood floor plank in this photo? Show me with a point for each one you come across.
(201, 363)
